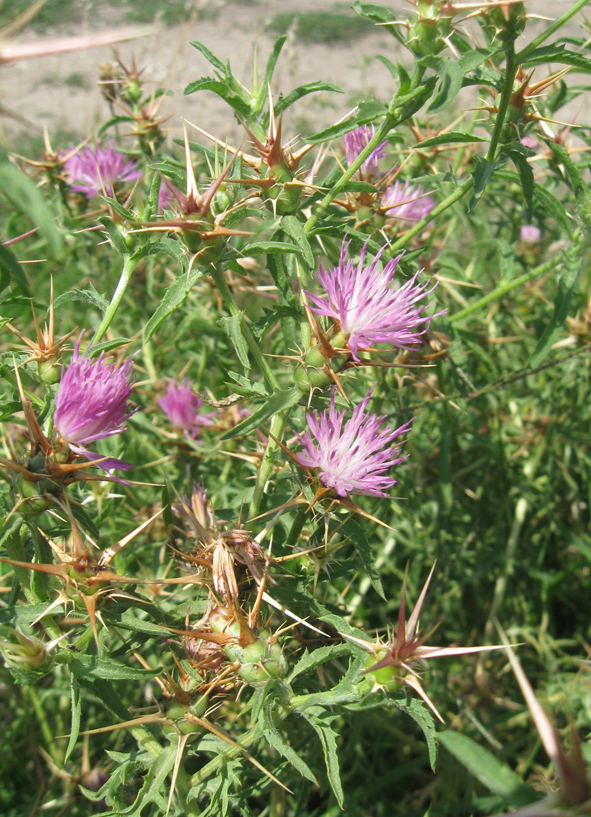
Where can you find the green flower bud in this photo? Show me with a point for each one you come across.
(27, 658)
(314, 372)
(50, 371)
(386, 678)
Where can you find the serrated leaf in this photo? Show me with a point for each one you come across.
(209, 56)
(303, 90)
(320, 722)
(278, 742)
(130, 621)
(174, 297)
(557, 53)
(232, 327)
(450, 138)
(483, 171)
(369, 110)
(355, 533)
(421, 715)
(88, 296)
(379, 14)
(526, 176)
(312, 660)
(106, 346)
(566, 287)
(260, 247)
(258, 104)
(496, 776)
(282, 399)
(26, 198)
(553, 207)
(450, 76)
(76, 704)
(295, 230)
(91, 665)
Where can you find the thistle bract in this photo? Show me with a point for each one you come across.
(352, 458)
(92, 403)
(98, 170)
(182, 408)
(369, 307)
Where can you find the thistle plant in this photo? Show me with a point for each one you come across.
(224, 631)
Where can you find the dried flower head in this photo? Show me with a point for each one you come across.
(358, 139)
(406, 202)
(92, 403)
(99, 170)
(352, 458)
(182, 408)
(368, 307)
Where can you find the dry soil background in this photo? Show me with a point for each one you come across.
(37, 91)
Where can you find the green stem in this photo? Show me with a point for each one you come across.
(457, 194)
(522, 56)
(297, 525)
(228, 299)
(503, 289)
(129, 265)
(389, 122)
(146, 740)
(266, 469)
(510, 71)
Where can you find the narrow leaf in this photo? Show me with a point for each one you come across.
(76, 712)
(281, 399)
(174, 297)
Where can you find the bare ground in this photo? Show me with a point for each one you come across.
(37, 91)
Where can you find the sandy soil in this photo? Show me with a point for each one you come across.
(36, 91)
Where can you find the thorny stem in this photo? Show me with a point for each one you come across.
(457, 194)
(228, 299)
(389, 122)
(510, 72)
(129, 264)
(266, 467)
(500, 291)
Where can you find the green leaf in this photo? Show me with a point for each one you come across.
(496, 776)
(129, 621)
(237, 101)
(9, 266)
(232, 326)
(483, 171)
(355, 533)
(450, 138)
(76, 712)
(209, 56)
(174, 297)
(278, 742)
(557, 53)
(108, 670)
(577, 182)
(320, 722)
(312, 660)
(106, 346)
(553, 207)
(260, 247)
(526, 176)
(450, 82)
(88, 296)
(369, 110)
(420, 714)
(258, 104)
(295, 230)
(282, 399)
(303, 90)
(114, 234)
(26, 198)
(566, 287)
(379, 14)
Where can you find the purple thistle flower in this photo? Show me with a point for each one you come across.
(92, 403)
(368, 308)
(352, 459)
(97, 170)
(182, 408)
(355, 141)
(530, 234)
(406, 202)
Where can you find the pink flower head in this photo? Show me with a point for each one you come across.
(165, 198)
(530, 142)
(92, 403)
(530, 234)
(368, 307)
(406, 202)
(352, 459)
(355, 141)
(97, 170)
(182, 408)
